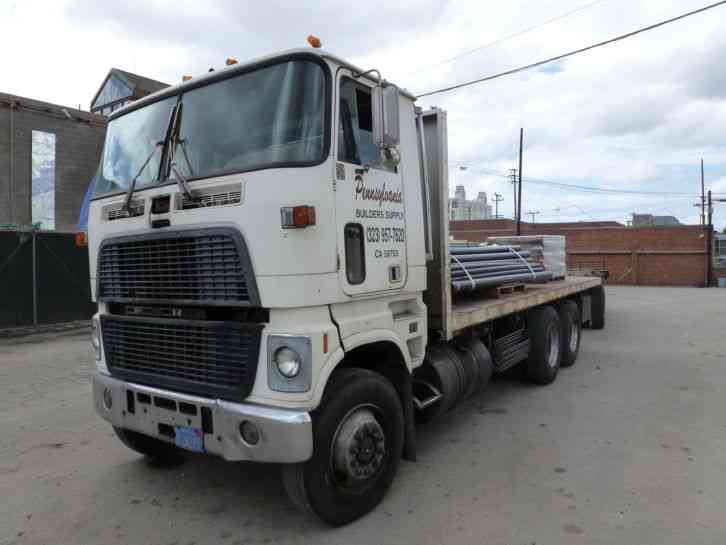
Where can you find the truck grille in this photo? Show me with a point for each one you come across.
(208, 266)
(212, 359)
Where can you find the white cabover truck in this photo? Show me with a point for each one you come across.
(269, 251)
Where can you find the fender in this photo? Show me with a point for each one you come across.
(349, 343)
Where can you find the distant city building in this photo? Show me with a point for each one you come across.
(649, 220)
(461, 209)
(121, 87)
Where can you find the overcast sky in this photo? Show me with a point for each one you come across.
(634, 116)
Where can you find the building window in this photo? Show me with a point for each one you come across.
(113, 90)
(42, 162)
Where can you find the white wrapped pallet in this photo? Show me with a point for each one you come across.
(550, 250)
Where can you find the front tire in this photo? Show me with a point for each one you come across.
(358, 435)
(158, 452)
(545, 350)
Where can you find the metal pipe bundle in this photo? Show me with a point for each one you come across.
(473, 268)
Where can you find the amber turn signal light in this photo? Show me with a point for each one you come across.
(295, 217)
(81, 240)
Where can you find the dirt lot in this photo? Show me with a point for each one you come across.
(626, 447)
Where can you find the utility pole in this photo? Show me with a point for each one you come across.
(497, 199)
(519, 197)
(703, 198)
(513, 177)
(533, 213)
(709, 239)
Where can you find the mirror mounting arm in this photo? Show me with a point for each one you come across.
(367, 72)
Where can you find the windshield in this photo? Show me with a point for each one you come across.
(130, 140)
(273, 116)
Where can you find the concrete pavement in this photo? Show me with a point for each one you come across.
(625, 447)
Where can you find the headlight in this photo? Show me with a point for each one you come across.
(287, 361)
(96, 338)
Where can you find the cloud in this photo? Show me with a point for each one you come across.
(636, 114)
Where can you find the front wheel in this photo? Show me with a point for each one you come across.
(358, 441)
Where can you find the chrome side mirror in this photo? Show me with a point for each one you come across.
(385, 104)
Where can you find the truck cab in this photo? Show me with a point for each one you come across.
(253, 230)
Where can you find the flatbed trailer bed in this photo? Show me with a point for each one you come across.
(471, 311)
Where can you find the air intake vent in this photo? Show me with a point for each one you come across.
(206, 266)
(117, 211)
(215, 359)
(213, 196)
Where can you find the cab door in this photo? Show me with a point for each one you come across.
(369, 196)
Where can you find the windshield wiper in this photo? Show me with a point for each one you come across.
(132, 185)
(161, 144)
(181, 181)
(175, 141)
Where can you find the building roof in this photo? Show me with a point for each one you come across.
(645, 220)
(52, 110)
(140, 85)
(142, 82)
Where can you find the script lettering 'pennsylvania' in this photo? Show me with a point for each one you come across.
(377, 194)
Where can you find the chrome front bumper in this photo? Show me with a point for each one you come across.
(285, 435)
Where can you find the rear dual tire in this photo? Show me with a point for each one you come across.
(545, 350)
(597, 308)
(571, 322)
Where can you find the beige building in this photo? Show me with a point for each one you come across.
(461, 209)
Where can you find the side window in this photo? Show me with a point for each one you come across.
(355, 259)
(355, 131)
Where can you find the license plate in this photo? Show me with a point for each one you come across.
(189, 438)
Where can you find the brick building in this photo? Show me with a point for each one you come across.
(48, 155)
(656, 256)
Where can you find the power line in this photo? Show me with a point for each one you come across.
(574, 52)
(588, 189)
(607, 190)
(518, 33)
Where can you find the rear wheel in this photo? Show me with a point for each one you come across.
(597, 308)
(159, 452)
(571, 332)
(545, 350)
(358, 441)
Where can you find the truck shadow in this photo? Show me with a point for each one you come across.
(236, 499)
(494, 400)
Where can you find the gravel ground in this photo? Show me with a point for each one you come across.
(624, 448)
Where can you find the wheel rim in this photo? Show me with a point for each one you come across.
(574, 337)
(552, 348)
(359, 448)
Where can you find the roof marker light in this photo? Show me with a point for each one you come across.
(314, 41)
